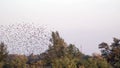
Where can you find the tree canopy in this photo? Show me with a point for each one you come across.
(111, 52)
(3, 52)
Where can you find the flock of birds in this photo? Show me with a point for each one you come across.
(25, 38)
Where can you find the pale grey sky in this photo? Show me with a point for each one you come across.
(84, 23)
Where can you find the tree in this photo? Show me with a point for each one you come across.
(15, 61)
(57, 47)
(100, 61)
(74, 51)
(3, 52)
(111, 52)
(60, 54)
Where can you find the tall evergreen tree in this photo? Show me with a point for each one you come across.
(60, 54)
(57, 47)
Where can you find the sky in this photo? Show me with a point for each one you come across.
(85, 23)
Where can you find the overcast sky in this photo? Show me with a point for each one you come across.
(85, 23)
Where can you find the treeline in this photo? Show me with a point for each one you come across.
(63, 55)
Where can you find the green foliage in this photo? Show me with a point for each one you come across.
(102, 63)
(3, 52)
(63, 55)
(64, 62)
(15, 61)
(111, 52)
(74, 52)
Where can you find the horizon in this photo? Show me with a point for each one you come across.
(85, 23)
